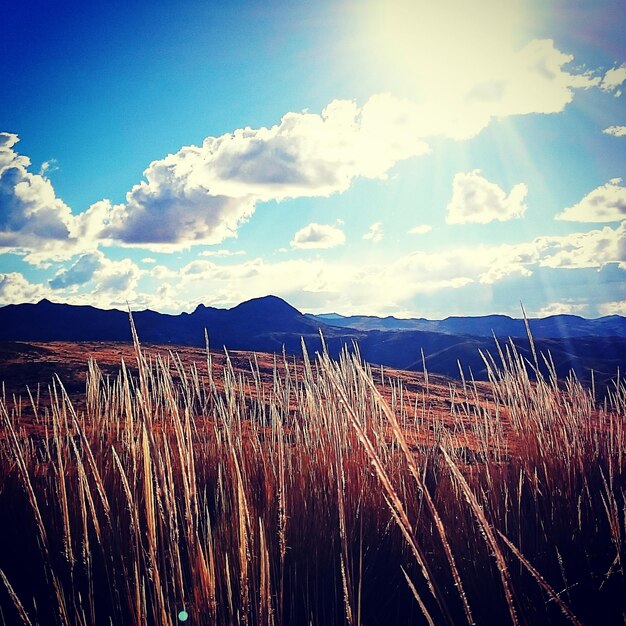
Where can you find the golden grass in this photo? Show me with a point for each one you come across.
(329, 495)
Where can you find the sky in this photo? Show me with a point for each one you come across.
(379, 157)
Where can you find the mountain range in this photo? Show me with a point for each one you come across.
(269, 324)
(554, 326)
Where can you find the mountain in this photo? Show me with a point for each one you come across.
(259, 324)
(269, 324)
(555, 326)
(48, 321)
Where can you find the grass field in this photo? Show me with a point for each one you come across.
(311, 491)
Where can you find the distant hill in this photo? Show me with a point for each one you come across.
(270, 324)
(444, 352)
(555, 326)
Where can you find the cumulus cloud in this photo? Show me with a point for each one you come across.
(162, 272)
(616, 131)
(594, 248)
(375, 232)
(422, 229)
(476, 200)
(534, 79)
(349, 287)
(318, 236)
(606, 203)
(562, 308)
(197, 268)
(541, 68)
(458, 266)
(613, 79)
(79, 273)
(105, 275)
(168, 215)
(201, 195)
(320, 285)
(33, 221)
(116, 277)
(230, 284)
(15, 289)
(616, 307)
(307, 154)
(488, 264)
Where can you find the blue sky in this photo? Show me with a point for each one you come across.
(377, 157)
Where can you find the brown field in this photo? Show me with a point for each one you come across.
(34, 365)
(253, 489)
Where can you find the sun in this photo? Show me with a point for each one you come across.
(446, 46)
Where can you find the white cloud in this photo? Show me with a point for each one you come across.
(201, 195)
(476, 200)
(595, 248)
(613, 79)
(162, 272)
(499, 262)
(169, 215)
(307, 154)
(489, 264)
(464, 96)
(459, 266)
(538, 82)
(616, 131)
(148, 260)
(79, 273)
(223, 253)
(562, 308)
(462, 59)
(118, 277)
(422, 229)
(604, 204)
(33, 221)
(375, 232)
(318, 285)
(104, 275)
(617, 307)
(47, 167)
(318, 236)
(163, 299)
(196, 269)
(231, 284)
(15, 289)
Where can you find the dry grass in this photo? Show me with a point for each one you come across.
(320, 493)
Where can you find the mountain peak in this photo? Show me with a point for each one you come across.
(267, 305)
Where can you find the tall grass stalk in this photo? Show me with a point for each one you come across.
(248, 490)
